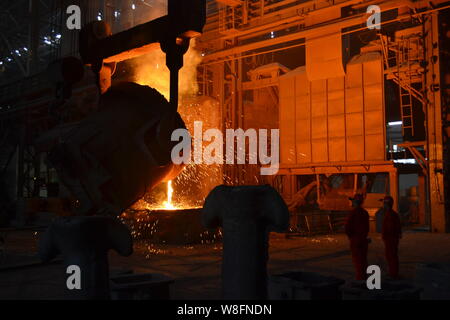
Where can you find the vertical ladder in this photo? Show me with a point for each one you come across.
(405, 59)
(404, 68)
(231, 17)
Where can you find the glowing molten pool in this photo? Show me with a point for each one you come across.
(168, 222)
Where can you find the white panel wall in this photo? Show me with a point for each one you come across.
(334, 120)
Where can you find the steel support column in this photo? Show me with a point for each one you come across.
(434, 148)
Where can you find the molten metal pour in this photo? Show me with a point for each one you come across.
(168, 204)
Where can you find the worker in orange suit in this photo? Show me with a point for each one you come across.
(357, 230)
(391, 233)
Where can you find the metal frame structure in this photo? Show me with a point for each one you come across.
(30, 37)
(239, 30)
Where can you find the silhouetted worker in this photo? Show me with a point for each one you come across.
(247, 214)
(379, 217)
(391, 234)
(84, 241)
(357, 229)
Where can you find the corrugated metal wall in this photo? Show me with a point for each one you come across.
(333, 120)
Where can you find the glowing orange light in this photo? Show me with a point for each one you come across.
(168, 204)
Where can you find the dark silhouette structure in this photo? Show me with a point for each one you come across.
(85, 242)
(247, 214)
(106, 164)
(357, 229)
(391, 233)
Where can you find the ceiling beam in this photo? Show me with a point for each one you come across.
(16, 59)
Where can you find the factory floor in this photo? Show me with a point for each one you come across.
(196, 269)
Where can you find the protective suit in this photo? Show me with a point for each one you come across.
(357, 230)
(391, 234)
(379, 217)
(85, 242)
(246, 214)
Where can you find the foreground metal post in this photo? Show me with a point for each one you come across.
(84, 242)
(247, 214)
